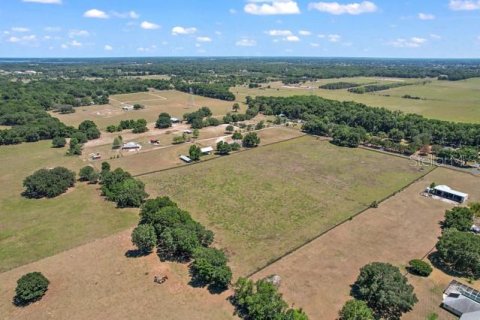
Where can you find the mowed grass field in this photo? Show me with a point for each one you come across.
(31, 229)
(317, 277)
(174, 102)
(265, 202)
(445, 100)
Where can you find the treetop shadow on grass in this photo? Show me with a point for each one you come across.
(438, 263)
(196, 282)
(135, 253)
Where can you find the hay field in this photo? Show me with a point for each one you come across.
(318, 276)
(31, 229)
(264, 202)
(445, 100)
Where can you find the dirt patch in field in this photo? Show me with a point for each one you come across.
(318, 276)
(97, 281)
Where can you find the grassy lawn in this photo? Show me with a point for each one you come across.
(444, 100)
(33, 229)
(175, 103)
(267, 201)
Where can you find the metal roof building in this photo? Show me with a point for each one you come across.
(448, 193)
(462, 301)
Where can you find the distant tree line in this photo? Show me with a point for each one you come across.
(339, 85)
(351, 121)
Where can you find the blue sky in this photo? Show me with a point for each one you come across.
(324, 28)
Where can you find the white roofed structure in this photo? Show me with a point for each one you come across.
(448, 193)
(206, 150)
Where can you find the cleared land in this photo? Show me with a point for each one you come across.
(97, 281)
(444, 100)
(152, 158)
(258, 201)
(318, 276)
(33, 229)
(175, 103)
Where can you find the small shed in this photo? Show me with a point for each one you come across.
(206, 150)
(174, 120)
(127, 107)
(185, 158)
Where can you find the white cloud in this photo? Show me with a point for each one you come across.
(204, 39)
(75, 43)
(426, 16)
(413, 42)
(23, 39)
(315, 45)
(149, 25)
(147, 49)
(182, 30)
(232, 11)
(108, 47)
(64, 46)
(435, 36)
(44, 1)
(279, 33)
(246, 42)
(292, 39)
(271, 7)
(52, 29)
(334, 37)
(304, 33)
(464, 5)
(96, 14)
(338, 9)
(126, 15)
(78, 33)
(20, 29)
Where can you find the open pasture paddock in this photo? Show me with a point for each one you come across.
(257, 201)
(318, 276)
(444, 100)
(97, 281)
(31, 229)
(153, 158)
(174, 102)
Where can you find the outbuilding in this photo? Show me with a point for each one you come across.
(185, 158)
(206, 150)
(461, 300)
(448, 193)
(131, 146)
(174, 120)
(127, 107)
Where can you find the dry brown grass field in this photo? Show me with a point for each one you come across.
(264, 202)
(97, 281)
(318, 276)
(175, 103)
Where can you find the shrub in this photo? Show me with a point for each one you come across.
(251, 140)
(356, 310)
(230, 128)
(48, 183)
(89, 174)
(210, 268)
(419, 267)
(235, 146)
(237, 136)
(179, 139)
(144, 237)
(30, 288)
(89, 128)
(59, 142)
(194, 152)
(223, 148)
(138, 106)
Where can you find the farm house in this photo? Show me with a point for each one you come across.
(462, 301)
(446, 192)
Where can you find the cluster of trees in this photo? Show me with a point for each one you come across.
(321, 116)
(48, 183)
(210, 90)
(164, 121)
(119, 186)
(377, 87)
(88, 174)
(457, 157)
(224, 148)
(250, 140)
(458, 248)
(137, 126)
(339, 85)
(31, 287)
(201, 118)
(384, 291)
(179, 237)
(261, 301)
(87, 130)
